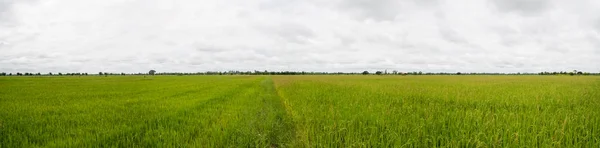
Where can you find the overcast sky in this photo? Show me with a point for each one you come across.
(310, 35)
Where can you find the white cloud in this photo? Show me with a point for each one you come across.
(311, 35)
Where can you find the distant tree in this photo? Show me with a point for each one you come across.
(365, 72)
(395, 72)
(10, 74)
(579, 73)
(378, 72)
(151, 72)
(420, 73)
(122, 73)
(50, 73)
(2, 74)
(571, 73)
(100, 73)
(458, 73)
(60, 74)
(38, 74)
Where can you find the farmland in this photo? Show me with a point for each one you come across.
(300, 111)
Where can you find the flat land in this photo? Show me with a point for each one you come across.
(300, 111)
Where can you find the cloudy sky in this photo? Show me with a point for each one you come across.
(310, 35)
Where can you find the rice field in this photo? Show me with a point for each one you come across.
(300, 111)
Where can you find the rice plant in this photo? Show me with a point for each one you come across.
(300, 111)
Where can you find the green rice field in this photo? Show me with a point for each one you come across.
(300, 111)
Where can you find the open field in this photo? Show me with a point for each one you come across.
(300, 111)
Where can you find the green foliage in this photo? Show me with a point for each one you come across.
(300, 111)
(207, 111)
(443, 111)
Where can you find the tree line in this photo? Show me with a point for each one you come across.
(265, 72)
(40, 74)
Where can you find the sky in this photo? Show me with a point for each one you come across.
(299, 35)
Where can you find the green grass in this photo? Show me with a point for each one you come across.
(139, 112)
(300, 111)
